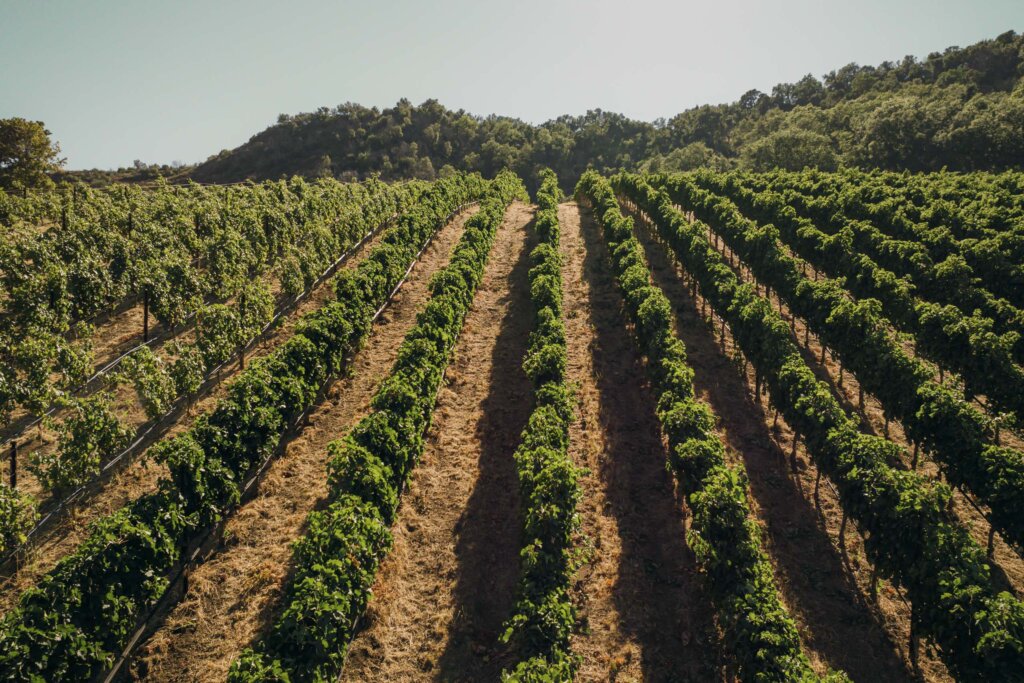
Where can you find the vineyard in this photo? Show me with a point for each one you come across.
(702, 426)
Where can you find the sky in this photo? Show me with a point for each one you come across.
(117, 81)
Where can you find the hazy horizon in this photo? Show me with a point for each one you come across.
(118, 81)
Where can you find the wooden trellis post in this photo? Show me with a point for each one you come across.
(14, 464)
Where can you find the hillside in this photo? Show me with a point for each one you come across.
(435, 431)
(406, 393)
(962, 109)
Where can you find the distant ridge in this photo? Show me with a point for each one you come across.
(962, 109)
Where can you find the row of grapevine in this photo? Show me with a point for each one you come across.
(994, 258)
(221, 330)
(963, 344)
(90, 435)
(996, 348)
(949, 283)
(978, 206)
(912, 538)
(131, 242)
(933, 415)
(337, 559)
(171, 253)
(995, 223)
(18, 514)
(965, 206)
(977, 215)
(761, 634)
(29, 211)
(108, 246)
(544, 617)
(84, 611)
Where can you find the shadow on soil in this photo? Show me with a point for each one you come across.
(489, 529)
(820, 591)
(659, 593)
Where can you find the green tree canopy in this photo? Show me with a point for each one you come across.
(27, 154)
(793, 150)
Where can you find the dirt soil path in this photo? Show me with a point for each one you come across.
(139, 476)
(645, 613)
(449, 583)
(234, 595)
(1007, 564)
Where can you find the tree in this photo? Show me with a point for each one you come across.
(791, 149)
(751, 99)
(693, 156)
(324, 168)
(27, 154)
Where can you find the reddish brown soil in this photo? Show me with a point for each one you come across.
(449, 583)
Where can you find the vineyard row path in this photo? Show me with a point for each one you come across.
(140, 476)
(644, 611)
(449, 583)
(234, 596)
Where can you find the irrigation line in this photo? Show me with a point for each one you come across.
(203, 542)
(160, 336)
(401, 490)
(653, 235)
(968, 497)
(212, 380)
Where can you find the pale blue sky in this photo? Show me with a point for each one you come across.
(181, 80)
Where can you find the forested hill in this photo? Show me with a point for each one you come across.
(962, 109)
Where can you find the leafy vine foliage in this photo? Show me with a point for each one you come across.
(944, 300)
(544, 617)
(70, 625)
(726, 540)
(337, 559)
(933, 415)
(913, 538)
(50, 363)
(151, 379)
(174, 249)
(92, 433)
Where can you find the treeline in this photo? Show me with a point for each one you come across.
(962, 109)
(138, 173)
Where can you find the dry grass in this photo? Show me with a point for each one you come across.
(448, 585)
(645, 616)
(234, 595)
